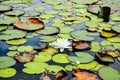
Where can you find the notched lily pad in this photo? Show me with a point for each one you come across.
(6, 62)
(30, 24)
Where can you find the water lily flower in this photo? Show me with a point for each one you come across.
(62, 43)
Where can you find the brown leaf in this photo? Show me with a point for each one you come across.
(84, 75)
(44, 76)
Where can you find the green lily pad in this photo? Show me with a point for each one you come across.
(16, 41)
(12, 53)
(116, 28)
(31, 14)
(55, 68)
(60, 58)
(12, 34)
(65, 29)
(54, 2)
(95, 46)
(6, 62)
(114, 39)
(4, 8)
(25, 49)
(3, 27)
(40, 9)
(52, 12)
(14, 13)
(47, 38)
(8, 20)
(13, 47)
(69, 18)
(29, 24)
(46, 16)
(42, 57)
(105, 58)
(88, 66)
(91, 24)
(115, 17)
(81, 57)
(83, 35)
(67, 36)
(105, 43)
(105, 73)
(85, 1)
(97, 67)
(48, 31)
(7, 72)
(70, 67)
(34, 67)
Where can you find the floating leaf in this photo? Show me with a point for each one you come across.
(105, 43)
(42, 57)
(4, 8)
(116, 28)
(60, 58)
(35, 67)
(108, 34)
(84, 75)
(70, 67)
(12, 53)
(46, 16)
(25, 49)
(7, 72)
(87, 66)
(109, 73)
(95, 46)
(44, 76)
(67, 36)
(65, 29)
(105, 58)
(30, 24)
(84, 2)
(12, 34)
(26, 57)
(49, 31)
(94, 8)
(14, 13)
(40, 9)
(6, 62)
(55, 2)
(115, 17)
(16, 41)
(83, 35)
(8, 20)
(114, 39)
(47, 38)
(55, 68)
(80, 45)
(97, 67)
(50, 50)
(3, 27)
(82, 57)
(13, 47)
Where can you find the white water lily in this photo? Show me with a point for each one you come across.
(62, 43)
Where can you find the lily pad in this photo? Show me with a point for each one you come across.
(108, 34)
(47, 38)
(50, 50)
(87, 66)
(8, 20)
(65, 29)
(55, 68)
(48, 31)
(83, 35)
(54, 2)
(94, 8)
(25, 49)
(14, 13)
(60, 58)
(34, 67)
(6, 62)
(85, 1)
(42, 57)
(104, 57)
(95, 46)
(12, 34)
(16, 41)
(29, 24)
(105, 73)
(12, 53)
(65, 35)
(116, 28)
(3, 27)
(4, 8)
(7, 72)
(70, 67)
(81, 57)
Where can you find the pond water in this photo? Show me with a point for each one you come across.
(35, 41)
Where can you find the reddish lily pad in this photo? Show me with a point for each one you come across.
(94, 8)
(30, 24)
